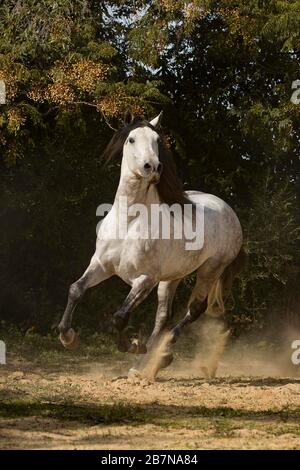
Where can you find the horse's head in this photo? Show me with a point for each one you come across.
(145, 155)
(141, 148)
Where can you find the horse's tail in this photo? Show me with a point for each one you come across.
(222, 286)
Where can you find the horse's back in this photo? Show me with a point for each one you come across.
(208, 201)
(221, 224)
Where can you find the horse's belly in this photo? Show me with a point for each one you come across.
(176, 261)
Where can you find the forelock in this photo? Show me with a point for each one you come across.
(146, 129)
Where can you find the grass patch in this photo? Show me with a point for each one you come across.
(190, 423)
(280, 429)
(166, 416)
(68, 411)
(224, 428)
(47, 349)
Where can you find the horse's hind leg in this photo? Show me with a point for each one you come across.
(93, 275)
(207, 275)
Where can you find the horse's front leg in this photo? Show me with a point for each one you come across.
(93, 275)
(141, 288)
(165, 295)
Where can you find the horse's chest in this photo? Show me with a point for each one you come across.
(138, 257)
(130, 258)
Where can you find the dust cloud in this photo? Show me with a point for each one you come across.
(210, 350)
(216, 351)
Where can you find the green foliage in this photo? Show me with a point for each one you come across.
(271, 241)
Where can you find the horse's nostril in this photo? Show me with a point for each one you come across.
(159, 168)
(147, 166)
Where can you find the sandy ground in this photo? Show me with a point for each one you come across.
(81, 405)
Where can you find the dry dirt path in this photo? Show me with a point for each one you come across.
(86, 406)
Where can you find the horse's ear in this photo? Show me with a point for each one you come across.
(156, 121)
(128, 117)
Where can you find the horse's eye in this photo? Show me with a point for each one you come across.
(131, 140)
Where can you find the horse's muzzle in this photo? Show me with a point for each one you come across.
(155, 178)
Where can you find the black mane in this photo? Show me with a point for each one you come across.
(170, 188)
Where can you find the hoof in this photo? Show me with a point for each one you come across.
(69, 339)
(133, 373)
(137, 347)
(155, 365)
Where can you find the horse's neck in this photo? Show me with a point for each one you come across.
(136, 190)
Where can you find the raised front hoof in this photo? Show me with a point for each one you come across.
(137, 347)
(69, 339)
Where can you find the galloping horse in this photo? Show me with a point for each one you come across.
(148, 178)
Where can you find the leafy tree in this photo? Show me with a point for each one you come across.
(221, 71)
